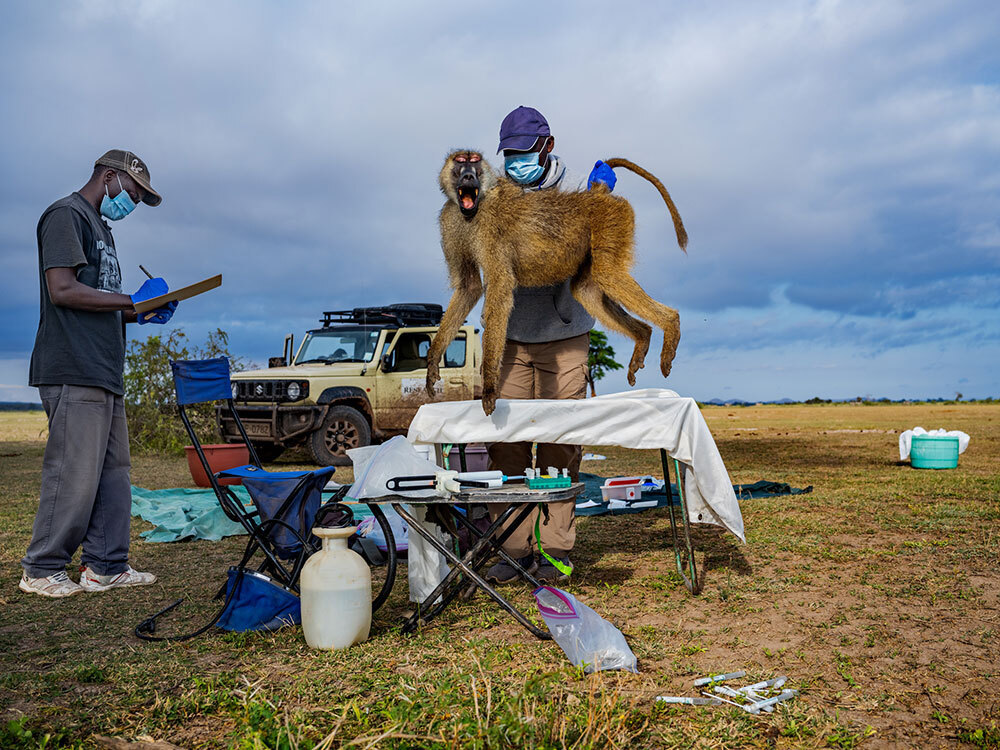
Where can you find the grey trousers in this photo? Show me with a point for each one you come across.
(86, 495)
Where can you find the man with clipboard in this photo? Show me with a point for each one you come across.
(78, 367)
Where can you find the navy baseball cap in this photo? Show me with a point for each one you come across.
(521, 128)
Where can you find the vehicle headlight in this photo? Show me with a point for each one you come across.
(294, 391)
(236, 390)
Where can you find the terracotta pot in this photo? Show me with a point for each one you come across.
(219, 457)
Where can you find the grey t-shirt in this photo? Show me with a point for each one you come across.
(78, 347)
(549, 313)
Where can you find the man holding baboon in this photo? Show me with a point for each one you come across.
(548, 337)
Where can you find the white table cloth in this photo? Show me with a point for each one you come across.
(642, 419)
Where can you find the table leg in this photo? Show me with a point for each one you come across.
(691, 583)
(461, 565)
(487, 543)
(499, 550)
(481, 549)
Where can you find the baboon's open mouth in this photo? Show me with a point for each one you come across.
(468, 199)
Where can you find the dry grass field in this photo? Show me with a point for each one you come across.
(876, 594)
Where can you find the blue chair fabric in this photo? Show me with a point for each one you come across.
(255, 602)
(292, 501)
(200, 380)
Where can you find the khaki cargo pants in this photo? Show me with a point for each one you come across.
(554, 369)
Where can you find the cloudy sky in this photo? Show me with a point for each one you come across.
(837, 165)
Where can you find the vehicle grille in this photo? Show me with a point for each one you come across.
(269, 390)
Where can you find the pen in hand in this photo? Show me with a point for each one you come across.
(142, 268)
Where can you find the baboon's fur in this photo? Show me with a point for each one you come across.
(536, 238)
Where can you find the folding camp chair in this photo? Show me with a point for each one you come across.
(285, 504)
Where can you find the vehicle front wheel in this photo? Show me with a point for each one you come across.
(343, 428)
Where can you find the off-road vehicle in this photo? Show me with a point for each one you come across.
(360, 376)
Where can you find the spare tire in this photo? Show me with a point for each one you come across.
(343, 428)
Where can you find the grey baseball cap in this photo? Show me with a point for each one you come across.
(134, 167)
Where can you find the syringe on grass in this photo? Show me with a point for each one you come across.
(688, 701)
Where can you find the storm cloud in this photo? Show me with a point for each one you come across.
(837, 165)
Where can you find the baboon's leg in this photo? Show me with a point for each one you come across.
(612, 276)
(467, 293)
(500, 284)
(588, 293)
(625, 290)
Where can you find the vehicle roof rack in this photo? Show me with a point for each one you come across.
(402, 315)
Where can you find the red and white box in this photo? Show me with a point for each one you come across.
(622, 488)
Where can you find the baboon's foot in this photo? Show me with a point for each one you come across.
(489, 402)
(667, 356)
(433, 376)
(638, 360)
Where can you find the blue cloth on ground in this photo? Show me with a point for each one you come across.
(182, 513)
(187, 513)
(592, 494)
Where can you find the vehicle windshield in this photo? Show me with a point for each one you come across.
(338, 346)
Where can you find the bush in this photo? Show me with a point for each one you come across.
(154, 425)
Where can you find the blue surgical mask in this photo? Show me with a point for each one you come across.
(523, 169)
(118, 207)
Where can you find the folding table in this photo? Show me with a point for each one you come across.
(521, 502)
(642, 419)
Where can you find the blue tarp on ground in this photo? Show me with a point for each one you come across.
(181, 513)
(592, 494)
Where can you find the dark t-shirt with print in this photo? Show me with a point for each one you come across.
(78, 347)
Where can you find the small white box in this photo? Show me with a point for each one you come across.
(623, 488)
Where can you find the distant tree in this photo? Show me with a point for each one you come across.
(600, 358)
(958, 396)
(150, 401)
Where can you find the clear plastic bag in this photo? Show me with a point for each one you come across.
(374, 465)
(587, 638)
(368, 527)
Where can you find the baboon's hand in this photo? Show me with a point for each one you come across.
(433, 376)
(489, 402)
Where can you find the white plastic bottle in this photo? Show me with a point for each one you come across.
(336, 592)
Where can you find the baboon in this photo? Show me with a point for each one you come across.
(536, 238)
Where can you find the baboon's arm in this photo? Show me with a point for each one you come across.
(500, 284)
(468, 290)
(682, 238)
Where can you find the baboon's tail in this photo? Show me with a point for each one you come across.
(682, 236)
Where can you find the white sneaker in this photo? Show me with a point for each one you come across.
(54, 586)
(91, 581)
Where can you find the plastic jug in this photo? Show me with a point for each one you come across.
(336, 593)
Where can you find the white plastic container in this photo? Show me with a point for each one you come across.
(336, 593)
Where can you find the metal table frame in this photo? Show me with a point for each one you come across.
(521, 503)
(690, 579)
(691, 582)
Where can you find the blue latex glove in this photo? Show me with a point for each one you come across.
(159, 315)
(602, 173)
(150, 288)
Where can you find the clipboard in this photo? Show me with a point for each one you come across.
(185, 292)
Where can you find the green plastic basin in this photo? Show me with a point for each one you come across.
(933, 452)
